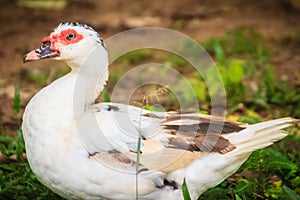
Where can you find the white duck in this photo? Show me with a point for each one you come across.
(82, 150)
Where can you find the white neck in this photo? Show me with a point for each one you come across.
(68, 97)
(92, 74)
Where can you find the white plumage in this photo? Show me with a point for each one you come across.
(85, 151)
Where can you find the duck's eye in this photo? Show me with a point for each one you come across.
(71, 36)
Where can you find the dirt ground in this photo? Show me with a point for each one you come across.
(22, 29)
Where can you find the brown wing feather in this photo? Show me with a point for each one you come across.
(201, 133)
(203, 123)
(118, 161)
(193, 141)
(208, 127)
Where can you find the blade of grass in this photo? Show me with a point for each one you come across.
(20, 146)
(137, 165)
(106, 95)
(138, 152)
(219, 52)
(290, 194)
(185, 191)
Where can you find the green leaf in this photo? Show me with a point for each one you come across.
(199, 88)
(20, 145)
(243, 186)
(223, 184)
(205, 112)
(6, 139)
(153, 108)
(213, 81)
(106, 95)
(219, 52)
(8, 167)
(185, 191)
(237, 197)
(269, 80)
(290, 194)
(17, 100)
(236, 71)
(279, 161)
(296, 181)
(224, 73)
(3, 149)
(216, 193)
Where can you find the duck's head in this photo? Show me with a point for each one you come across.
(70, 41)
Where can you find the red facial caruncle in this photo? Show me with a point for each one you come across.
(65, 37)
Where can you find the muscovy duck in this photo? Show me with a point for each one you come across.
(82, 150)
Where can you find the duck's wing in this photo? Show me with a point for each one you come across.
(170, 141)
(201, 149)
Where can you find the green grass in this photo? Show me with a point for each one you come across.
(243, 59)
(18, 182)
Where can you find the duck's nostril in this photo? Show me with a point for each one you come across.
(46, 44)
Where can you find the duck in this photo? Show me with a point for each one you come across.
(85, 150)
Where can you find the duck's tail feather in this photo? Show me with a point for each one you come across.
(260, 135)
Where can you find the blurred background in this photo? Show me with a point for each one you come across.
(255, 44)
